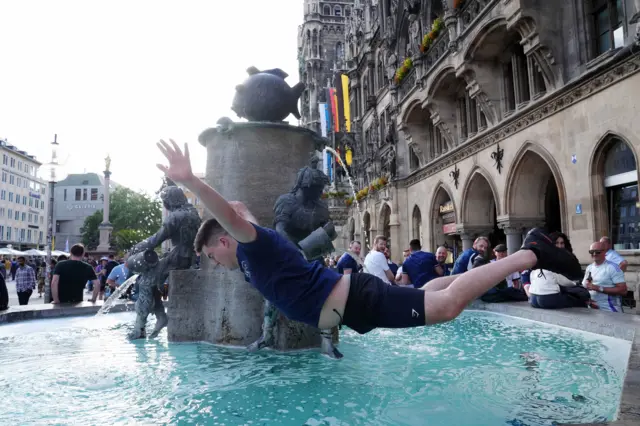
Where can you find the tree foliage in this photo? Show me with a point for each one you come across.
(134, 216)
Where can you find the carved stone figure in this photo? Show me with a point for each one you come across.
(303, 218)
(265, 96)
(180, 227)
(107, 163)
(414, 33)
(390, 136)
(392, 61)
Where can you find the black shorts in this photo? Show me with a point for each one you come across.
(372, 303)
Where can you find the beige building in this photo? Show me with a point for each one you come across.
(23, 200)
(507, 117)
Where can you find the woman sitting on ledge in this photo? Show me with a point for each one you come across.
(549, 290)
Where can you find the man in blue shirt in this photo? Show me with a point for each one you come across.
(315, 295)
(420, 267)
(464, 262)
(350, 261)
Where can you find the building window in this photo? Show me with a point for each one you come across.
(5, 159)
(16, 216)
(621, 183)
(4, 176)
(78, 194)
(64, 195)
(22, 235)
(608, 19)
(12, 179)
(337, 11)
(24, 200)
(84, 194)
(20, 165)
(326, 10)
(3, 194)
(41, 205)
(29, 235)
(94, 194)
(8, 233)
(30, 218)
(10, 213)
(40, 237)
(13, 163)
(1, 232)
(347, 11)
(24, 217)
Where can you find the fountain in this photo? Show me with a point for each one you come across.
(351, 184)
(255, 162)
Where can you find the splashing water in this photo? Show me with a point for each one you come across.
(115, 296)
(351, 184)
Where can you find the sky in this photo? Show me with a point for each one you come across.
(114, 77)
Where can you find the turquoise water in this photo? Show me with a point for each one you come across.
(482, 370)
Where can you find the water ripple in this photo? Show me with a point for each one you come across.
(481, 370)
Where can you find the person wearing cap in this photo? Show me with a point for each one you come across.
(513, 280)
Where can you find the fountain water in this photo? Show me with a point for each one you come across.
(351, 184)
(115, 297)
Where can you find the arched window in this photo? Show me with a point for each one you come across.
(621, 183)
(380, 72)
(414, 161)
(326, 10)
(347, 11)
(337, 11)
(417, 224)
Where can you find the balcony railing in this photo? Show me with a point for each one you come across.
(436, 51)
(406, 85)
(471, 11)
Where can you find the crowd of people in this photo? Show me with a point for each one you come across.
(69, 277)
(602, 287)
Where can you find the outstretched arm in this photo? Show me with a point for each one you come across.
(179, 170)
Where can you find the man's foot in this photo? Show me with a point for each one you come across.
(137, 333)
(550, 257)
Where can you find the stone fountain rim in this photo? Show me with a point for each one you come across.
(207, 134)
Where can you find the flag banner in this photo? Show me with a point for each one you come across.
(322, 110)
(334, 110)
(329, 114)
(325, 162)
(339, 103)
(329, 166)
(347, 103)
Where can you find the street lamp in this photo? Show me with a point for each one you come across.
(54, 165)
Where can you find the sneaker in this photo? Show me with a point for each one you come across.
(550, 257)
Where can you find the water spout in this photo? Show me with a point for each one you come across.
(113, 299)
(353, 187)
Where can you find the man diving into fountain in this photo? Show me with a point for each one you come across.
(310, 293)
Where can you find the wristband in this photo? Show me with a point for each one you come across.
(601, 289)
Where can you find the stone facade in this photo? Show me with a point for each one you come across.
(511, 116)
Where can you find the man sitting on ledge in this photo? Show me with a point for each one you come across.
(318, 296)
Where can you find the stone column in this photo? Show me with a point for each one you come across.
(467, 241)
(514, 239)
(254, 163)
(394, 231)
(105, 227)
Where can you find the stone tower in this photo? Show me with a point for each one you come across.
(321, 50)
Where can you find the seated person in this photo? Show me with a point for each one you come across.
(420, 267)
(501, 292)
(549, 290)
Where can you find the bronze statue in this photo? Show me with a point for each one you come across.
(265, 96)
(180, 227)
(303, 218)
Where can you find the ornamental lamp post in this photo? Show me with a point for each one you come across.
(54, 167)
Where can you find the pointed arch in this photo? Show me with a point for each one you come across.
(479, 199)
(529, 179)
(416, 224)
(384, 220)
(409, 108)
(438, 79)
(479, 39)
(599, 192)
(442, 194)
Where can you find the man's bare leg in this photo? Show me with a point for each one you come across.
(439, 283)
(444, 305)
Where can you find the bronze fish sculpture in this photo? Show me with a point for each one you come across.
(265, 96)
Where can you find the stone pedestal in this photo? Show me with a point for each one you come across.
(254, 163)
(467, 241)
(514, 239)
(105, 227)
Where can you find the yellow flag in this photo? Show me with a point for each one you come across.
(345, 99)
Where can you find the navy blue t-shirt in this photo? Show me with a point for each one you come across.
(393, 268)
(421, 268)
(348, 262)
(274, 266)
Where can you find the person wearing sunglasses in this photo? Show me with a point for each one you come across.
(605, 280)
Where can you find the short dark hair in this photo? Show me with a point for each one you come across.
(209, 229)
(21, 257)
(414, 245)
(77, 250)
(379, 238)
(112, 256)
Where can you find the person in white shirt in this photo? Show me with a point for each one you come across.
(376, 263)
(605, 280)
(612, 255)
